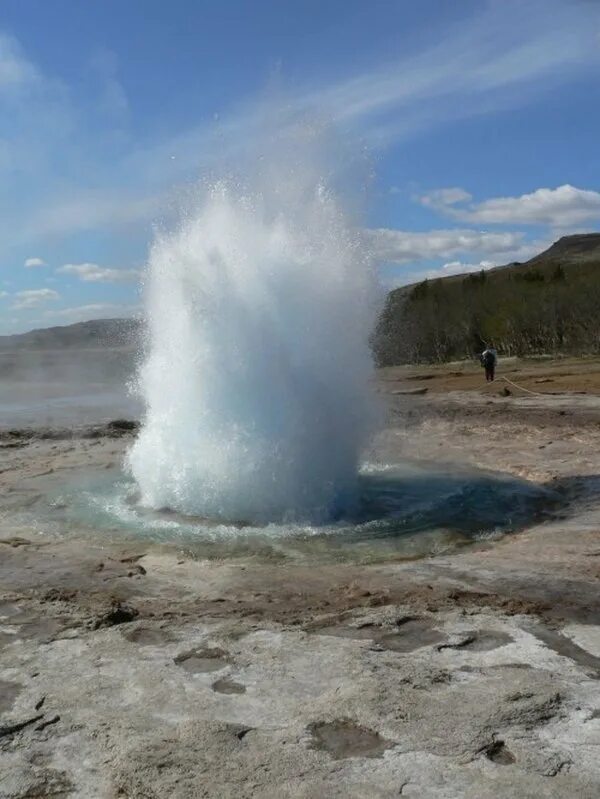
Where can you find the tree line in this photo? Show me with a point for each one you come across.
(525, 310)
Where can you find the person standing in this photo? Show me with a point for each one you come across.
(489, 359)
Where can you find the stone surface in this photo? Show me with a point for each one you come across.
(470, 675)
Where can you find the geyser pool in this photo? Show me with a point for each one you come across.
(406, 510)
(257, 382)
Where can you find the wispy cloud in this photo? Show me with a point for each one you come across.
(495, 59)
(33, 298)
(16, 71)
(31, 263)
(92, 210)
(489, 60)
(93, 273)
(444, 199)
(403, 247)
(560, 207)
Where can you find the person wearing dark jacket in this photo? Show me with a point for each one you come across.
(489, 359)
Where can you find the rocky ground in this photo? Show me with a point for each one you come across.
(129, 669)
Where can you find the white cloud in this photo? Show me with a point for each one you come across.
(403, 247)
(446, 270)
(563, 206)
(456, 268)
(93, 273)
(33, 262)
(3, 294)
(33, 298)
(441, 199)
(93, 210)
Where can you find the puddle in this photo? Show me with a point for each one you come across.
(496, 667)
(202, 661)
(478, 641)
(412, 633)
(147, 636)
(7, 638)
(228, 687)
(9, 610)
(8, 693)
(344, 738)
(567, 648)
(409, 635)
(499, 753)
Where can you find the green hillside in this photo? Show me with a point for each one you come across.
(550, 304)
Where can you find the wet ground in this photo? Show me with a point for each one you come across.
(137, 667)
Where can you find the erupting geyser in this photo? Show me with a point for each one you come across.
(257, 382)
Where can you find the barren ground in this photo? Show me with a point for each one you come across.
(133, 670)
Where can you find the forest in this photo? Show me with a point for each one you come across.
(548, 305)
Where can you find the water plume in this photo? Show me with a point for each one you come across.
(257, 389)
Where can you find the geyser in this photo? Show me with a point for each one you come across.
(257, 380)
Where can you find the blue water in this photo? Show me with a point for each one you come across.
(404, 511)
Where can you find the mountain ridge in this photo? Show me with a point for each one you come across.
(548, 304)
(568, 262)
(113, 332)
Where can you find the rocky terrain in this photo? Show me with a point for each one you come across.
(133, 669)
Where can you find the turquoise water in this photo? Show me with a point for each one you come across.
(403, 511)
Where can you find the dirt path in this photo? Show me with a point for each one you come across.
(541, 375)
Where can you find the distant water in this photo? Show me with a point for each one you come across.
(257, 385)
(66, 387)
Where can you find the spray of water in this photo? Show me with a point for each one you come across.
(257, 383)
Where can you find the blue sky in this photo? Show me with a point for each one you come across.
(480, 119)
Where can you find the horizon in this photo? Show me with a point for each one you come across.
(139, 315)
(476, 123)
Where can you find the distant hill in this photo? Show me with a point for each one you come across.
(575, 248)
(549, 304)
(82, 335)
